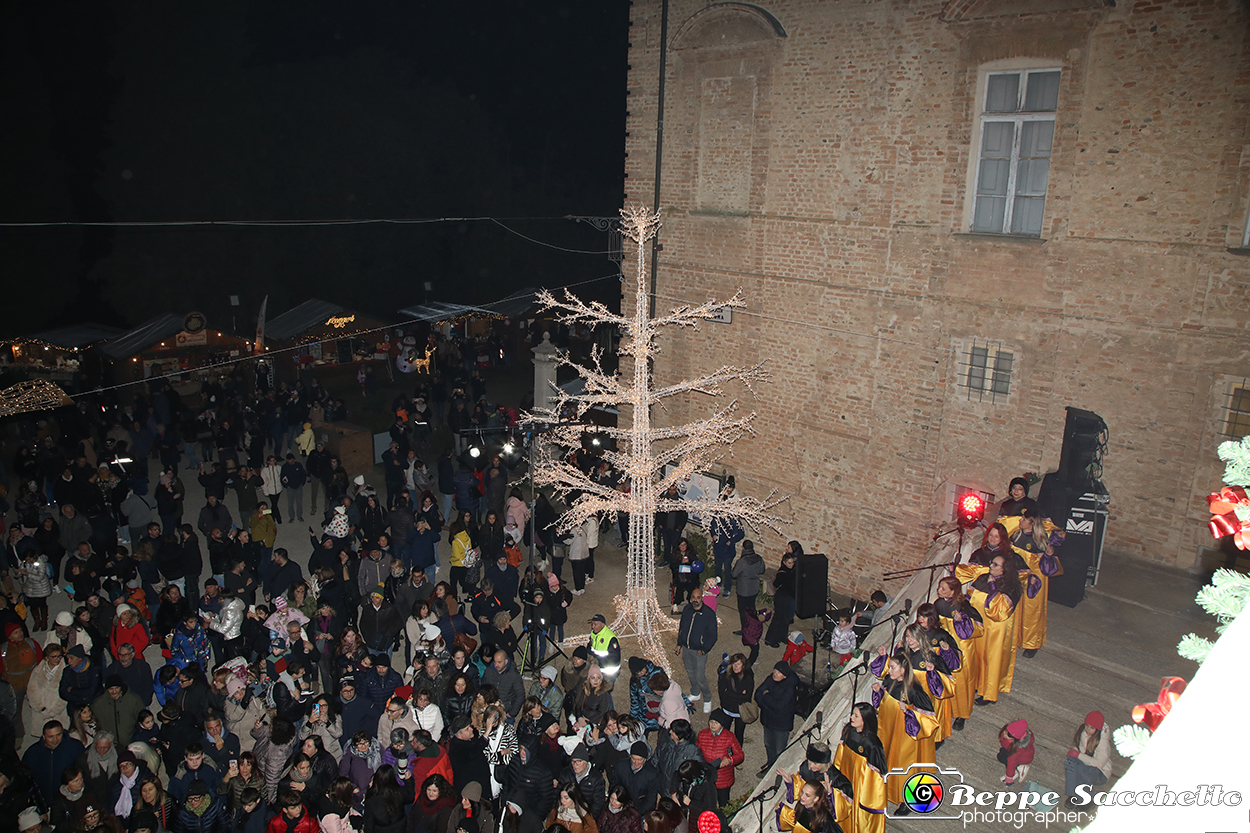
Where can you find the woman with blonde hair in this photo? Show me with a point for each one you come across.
(906, 722)
(957, 618)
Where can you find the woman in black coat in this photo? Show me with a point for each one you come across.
(490, 538)
(783, 596)
(736, 687)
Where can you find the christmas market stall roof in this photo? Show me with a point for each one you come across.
(315, 321)
(436, 311)
(80, 335)
(300, 319)
(144, 336)
(520, 304)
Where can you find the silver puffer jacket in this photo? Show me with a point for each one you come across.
(229, 621)
(36, 582)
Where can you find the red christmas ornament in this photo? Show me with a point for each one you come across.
(1151, 715)
(1224, 521)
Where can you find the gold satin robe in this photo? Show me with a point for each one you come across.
(901, 749)
(1031, 620)
(966, 677)
(868, 784)
(996, 651)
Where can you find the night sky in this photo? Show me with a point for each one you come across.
(279, 110)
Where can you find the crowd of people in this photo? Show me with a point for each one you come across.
(201, 679)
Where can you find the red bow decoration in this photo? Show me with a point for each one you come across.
(1224, 520)
(1151, 714)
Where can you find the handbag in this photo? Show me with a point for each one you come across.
(462, 641)
(749, 712)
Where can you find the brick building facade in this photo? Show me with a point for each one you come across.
(950, 220)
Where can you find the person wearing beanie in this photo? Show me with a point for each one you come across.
(777, 697)
(587, 776)
(471, 814)
(1089, 760)
(1017, 750)
(639, 775)
(19, 656)
(117, 709)
(1018, 500)
(547, 692)
(380, 622)
(721, 750)
(817, 768)
(573, 675)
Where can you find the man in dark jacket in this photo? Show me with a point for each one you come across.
(506, 581)
(394, 460)
(777, 698)
(528, 781)
(279, 574)
(380, 622)
(203, 813)
(135, 673)
(748, 571)
(696, 637)
(50, 756)
(638, 775)
(380, 683)
(319, 473)
(467, 491)
(81, 682)
(214, 515)
(588, 778)
(117, 710)
(670, 525)
(357, 713)
(502, 674)
(293, 478)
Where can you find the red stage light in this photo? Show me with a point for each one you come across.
(971, 509)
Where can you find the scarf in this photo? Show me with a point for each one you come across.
(72, 795)
(97, 763)
(568, 816)
(125, 801)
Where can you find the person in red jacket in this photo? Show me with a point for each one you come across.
(294, 817)
(128, 628)
(428, 759)
(720, 749)
(1017, 750)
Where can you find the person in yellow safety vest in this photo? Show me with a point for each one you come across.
(604, 646)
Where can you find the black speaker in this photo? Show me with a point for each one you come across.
(1080, 459)
(1081, 552)
(811, 585)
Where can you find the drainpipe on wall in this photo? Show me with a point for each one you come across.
(659, 146)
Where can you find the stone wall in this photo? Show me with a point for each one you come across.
(819, 156)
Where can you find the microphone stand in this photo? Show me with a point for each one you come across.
(932, 568)
(768, 792)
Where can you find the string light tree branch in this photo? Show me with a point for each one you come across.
(36, 395)
(644, 451)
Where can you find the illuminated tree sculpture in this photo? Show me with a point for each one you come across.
(644, 451)
(37, 395)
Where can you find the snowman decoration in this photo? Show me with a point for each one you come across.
(407, 358)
